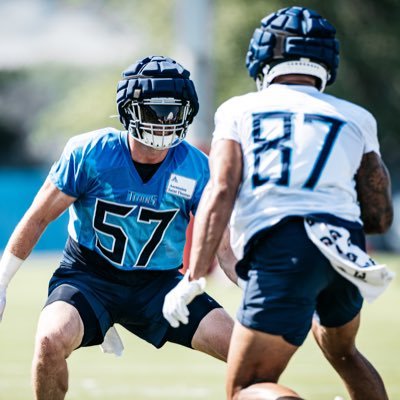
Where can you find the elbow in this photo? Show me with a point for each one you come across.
(380, 224)
(371, 229)
(35, 222)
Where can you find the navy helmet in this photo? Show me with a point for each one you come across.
(293, 40)
(157, 101)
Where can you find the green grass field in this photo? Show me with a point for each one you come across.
(174, 372)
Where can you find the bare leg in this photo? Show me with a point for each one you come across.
(59, 332)
(213, 334)
(255, 362)
(338, 345)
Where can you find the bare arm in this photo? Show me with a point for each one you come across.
(374, 194)
(209, 225)
(226, 259)
(48, 204)
(216, 205)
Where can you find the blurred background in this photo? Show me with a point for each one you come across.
(60, 62)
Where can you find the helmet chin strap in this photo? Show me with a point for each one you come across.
(303, 66)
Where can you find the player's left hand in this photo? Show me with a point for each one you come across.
(175, 308)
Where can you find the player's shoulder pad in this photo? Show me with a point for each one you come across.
(358, 113)
(92, 139)
(186, 150)
(192, 159)
(233, 103)
(233, 107)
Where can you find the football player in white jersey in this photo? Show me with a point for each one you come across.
(130, 195)
(299, 174)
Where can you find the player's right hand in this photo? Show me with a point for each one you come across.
(3, 290)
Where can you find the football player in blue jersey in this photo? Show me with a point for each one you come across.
(300, 176)
(130, 195)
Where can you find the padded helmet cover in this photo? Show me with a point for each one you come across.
(293, 33)
(155, 77)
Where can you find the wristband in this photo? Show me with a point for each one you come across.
(9, 265)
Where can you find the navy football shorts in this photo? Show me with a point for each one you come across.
(136, 306)
(289, 279)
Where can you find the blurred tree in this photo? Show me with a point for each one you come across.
(12, 125)
(86, 105)
(24, 95)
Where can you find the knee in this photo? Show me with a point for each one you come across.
(339, 352)
(335, 345)
(50, 347)
(213, 334)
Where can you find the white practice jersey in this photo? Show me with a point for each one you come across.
(301, 152)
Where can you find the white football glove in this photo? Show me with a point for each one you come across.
(9, 265)
(175, 308)
(3, 291)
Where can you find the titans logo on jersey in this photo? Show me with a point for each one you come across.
(131, 224)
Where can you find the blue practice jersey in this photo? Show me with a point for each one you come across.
(133, 225)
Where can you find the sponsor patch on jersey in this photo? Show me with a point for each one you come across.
(180, 186)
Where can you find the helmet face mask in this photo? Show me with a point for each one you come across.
(159, 123)
(157, 101)
(293, 40)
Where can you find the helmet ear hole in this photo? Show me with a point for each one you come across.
(289, 35)
(157, 101)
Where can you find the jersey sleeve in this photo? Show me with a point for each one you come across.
(68, 173)
(370, 132)
(226, 126)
